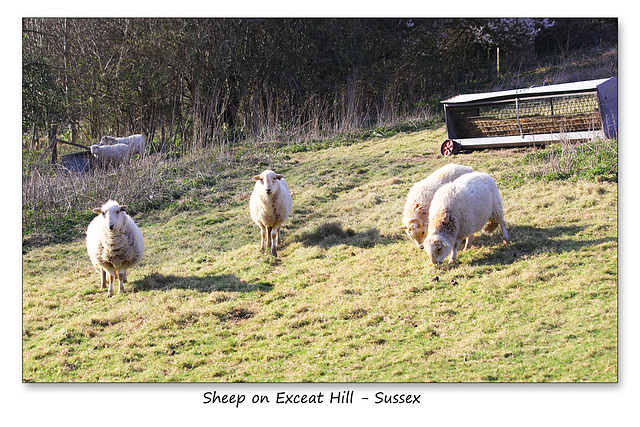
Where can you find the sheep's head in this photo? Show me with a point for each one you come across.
(94, 149)
(417, 230)
(437, 248)
(269, 181)
(107, 140)
(113, 214)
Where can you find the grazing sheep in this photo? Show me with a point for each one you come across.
(270, 206)
(114, 244)
(107, 154)
(135, 142)
(459, 209)
(416, 209)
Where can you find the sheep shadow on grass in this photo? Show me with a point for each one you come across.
(332, 233)
(527, 241)
(224, 282)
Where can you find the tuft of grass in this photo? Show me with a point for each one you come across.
(595, 160)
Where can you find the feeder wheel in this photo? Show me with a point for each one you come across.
(449, 148)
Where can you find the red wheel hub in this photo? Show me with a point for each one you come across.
(447, 147)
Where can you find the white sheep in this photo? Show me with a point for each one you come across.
(117, 153)
(416, 209)
(114, 244)
(270, 206)
(459, 209)
(135, 142)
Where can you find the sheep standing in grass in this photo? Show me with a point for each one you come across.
(135, 142)
(114, 244)
(416, 209)
(459, 209)
(270, 206)
(111, 154)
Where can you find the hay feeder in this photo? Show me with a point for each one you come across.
(533, 116)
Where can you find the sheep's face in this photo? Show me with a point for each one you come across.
(113, 215)
(268, 181)
(417, 230)
(438, 249)
(94, 149)
(107, 140)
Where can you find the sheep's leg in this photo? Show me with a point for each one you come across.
(278, 240)
(467, 245)
(269, 239)
(274, 241)
(498, 217)
(103, 278)
(505, 234)
(263, 236)
(112, 279)
(122, 279)
(454, 253)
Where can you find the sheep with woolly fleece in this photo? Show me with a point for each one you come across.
(470, 203)
(416, 209)
(270, 205)
(114, 244)
(135, 142)
(109, 154)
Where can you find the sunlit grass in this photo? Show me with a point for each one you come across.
(349, 298)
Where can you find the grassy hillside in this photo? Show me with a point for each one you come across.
(349, 298)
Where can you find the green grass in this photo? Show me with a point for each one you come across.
(349, 298)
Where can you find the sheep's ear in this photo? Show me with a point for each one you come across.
(97, 210)
(124, 208)
(256, 178)
(404, 227)
(279, 176)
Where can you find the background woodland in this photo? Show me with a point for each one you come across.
(189, 83)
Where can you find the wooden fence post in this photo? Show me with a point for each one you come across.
(53, 143)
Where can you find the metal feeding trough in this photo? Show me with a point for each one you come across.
(533, 116)
(79, 162)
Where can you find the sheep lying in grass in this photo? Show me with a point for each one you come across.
(270, 206)
(135, 142)
(111, 154)
(114, 244)
(459, 209)
(416, 209)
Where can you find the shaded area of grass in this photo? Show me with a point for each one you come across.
(332, 233)
(528, 241)
(225, 282)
